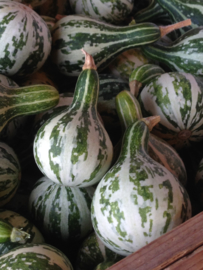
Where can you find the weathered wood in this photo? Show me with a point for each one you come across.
(166, 249)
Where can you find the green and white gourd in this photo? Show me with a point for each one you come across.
(92, 252)
(137, 200)
(25, 39)
(129, 111)
(101, 40)
(10, 172)
(62, 213)
(114, 12)
(35, 256)
(185, 54)
(177, 98)
(73, 148)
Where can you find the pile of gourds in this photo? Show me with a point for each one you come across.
(101, 116)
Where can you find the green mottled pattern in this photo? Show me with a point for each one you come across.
(92, 251)
(152, 12)
(73, 148)
(185, 54)
(145, 73)
(147, 202)
(180, 10)
(35, 256)
(103, 41)
(10, 172)
(177, 98)
(114, 12)
(25, 39)
(19, 221)
(62, 213)
(129, 111)
(25, 101)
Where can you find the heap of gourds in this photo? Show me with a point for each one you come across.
(101, 109)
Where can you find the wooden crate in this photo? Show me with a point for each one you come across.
(179, 249)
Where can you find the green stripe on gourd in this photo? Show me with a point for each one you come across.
(25, 39)
(185, 54)
(10, 173)
(35, 256)
(103, 41)
(177, 98)
(143, 75)
(92, 251)
(113, 12)
(73, 148)
(153, 12)
(180, 10)
(25, 101)
(129, 111)
(62, 213)
(138, 199)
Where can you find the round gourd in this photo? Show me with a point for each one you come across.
(138, 199)
(177, 98)
(62, 213)
(25, 39)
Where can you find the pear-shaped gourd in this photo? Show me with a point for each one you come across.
(73, 148)
(138, 199)
(129, 111)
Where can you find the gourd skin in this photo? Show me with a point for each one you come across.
(73, 148)
(138, 199)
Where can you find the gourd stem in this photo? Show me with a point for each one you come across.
(135, 87)
(151, 121)
(169, 28)
(89, 61)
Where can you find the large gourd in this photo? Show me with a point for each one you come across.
(138, 199)
(25, 39)
(73, 148)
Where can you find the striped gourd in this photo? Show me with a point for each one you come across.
(35, 256)
(153, 12)
(10, 172)
(142, 75)
(103, 41)
(177, 98)
(92, 252)
(185, 54)
(25, 39)
(179, 10)
(129, 111)
(138, 199)
(27, 100)
(62, 213)
(114, 12)
(73, 148)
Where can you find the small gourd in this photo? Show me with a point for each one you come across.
(73, 148)
(138, 199)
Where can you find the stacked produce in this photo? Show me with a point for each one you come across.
(101, 129)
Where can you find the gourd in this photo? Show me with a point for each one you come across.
(113, 12)
(138, 199)
(62, 213)
(25, 40)
(101, 40)
(73, 148)
(177, 98)
(142, 75)
(185, 54)
(129, 111)
(35, 256)
(27, 100)
(92, 252)
(10, 173)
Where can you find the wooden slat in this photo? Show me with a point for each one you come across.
(166, 249)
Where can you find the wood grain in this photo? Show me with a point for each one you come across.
(167, 249)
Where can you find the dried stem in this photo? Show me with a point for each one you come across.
(89, 61)
(169, 28)
(135, 87)
(151, 121)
